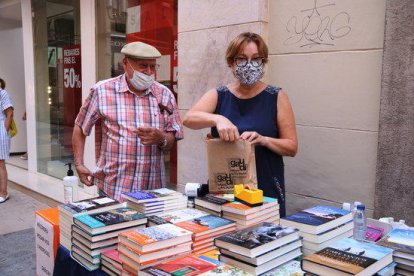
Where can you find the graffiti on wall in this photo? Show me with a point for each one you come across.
(318, 25)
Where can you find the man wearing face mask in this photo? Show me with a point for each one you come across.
(139, 122)
(252, 110)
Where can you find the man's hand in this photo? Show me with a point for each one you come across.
(85, 175)
(150, 135)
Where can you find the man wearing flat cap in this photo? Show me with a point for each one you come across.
(139, 120)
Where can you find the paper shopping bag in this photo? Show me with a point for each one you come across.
(230, 163)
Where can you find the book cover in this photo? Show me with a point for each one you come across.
(205, 224)
(350, 256)
(156, 220)
(89, 205)
(242, 209)
(148, 195)
(317, 219)
(260, 269)
(256, 236)
(401, 240)
(155, 234)
(107, 218)
(112, 256)
(182, 215)
(188, 265)
(226, 270)
(214, 198)
(290, 268)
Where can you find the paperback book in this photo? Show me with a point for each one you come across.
(260, 269)
(348, 256)
(317, 219)
(206, 224)
(90, 206)
(182, 215)
(402, 241)
(110, 220)
(155, 237)
(242, 209)
(152, 195)
(261, 259)
(256, 240)
(188, 265)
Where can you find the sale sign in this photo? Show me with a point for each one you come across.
(72, 89)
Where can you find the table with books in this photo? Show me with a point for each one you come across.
(154, 233)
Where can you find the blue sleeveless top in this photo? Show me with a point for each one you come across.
(257, 114)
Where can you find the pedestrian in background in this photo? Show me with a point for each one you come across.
(6, 116)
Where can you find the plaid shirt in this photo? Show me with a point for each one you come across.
(123, 163)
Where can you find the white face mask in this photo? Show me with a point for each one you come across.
(141, 81)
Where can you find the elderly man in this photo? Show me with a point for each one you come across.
(139, 120)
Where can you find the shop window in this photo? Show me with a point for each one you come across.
(56, 34)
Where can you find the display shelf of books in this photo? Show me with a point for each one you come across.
(320, 226)
(148, 246)
(402, 242)
(348, 257)
(260, 248)
(93, 234)
(158, 201)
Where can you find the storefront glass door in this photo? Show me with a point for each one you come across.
(58, 83)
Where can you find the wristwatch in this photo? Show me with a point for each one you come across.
(164, 142)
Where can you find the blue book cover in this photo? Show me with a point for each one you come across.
(400, 240)
(351, 256)
(139, 195)
(318, 215)
(111, 217)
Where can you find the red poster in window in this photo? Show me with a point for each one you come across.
(72, 90)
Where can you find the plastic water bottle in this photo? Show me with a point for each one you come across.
(360, 223)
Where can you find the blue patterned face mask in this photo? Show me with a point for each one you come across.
(249, 74)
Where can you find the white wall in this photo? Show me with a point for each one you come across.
(12, 71)
(331, 70)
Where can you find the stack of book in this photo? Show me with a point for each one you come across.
(193, 265)
(111, 263)
(246, 216)
(204, 226)
(348, 257)
(260, 248)
(320, 226)
(158, 201)
(149, 246)
(211, 203)
(95, 233)
(87, 206)
(402, 242)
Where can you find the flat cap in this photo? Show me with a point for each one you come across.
(140, 50)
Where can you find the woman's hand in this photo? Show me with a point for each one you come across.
(253, 137)
(226, 129)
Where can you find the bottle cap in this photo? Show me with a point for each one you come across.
(361, 207)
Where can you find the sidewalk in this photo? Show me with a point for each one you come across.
(18, 212)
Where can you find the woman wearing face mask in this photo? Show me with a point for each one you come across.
(252, 110)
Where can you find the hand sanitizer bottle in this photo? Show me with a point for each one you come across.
(70, 186)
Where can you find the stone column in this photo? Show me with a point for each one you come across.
(394, 190)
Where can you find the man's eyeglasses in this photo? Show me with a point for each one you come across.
(144, 66)
(242, 61)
